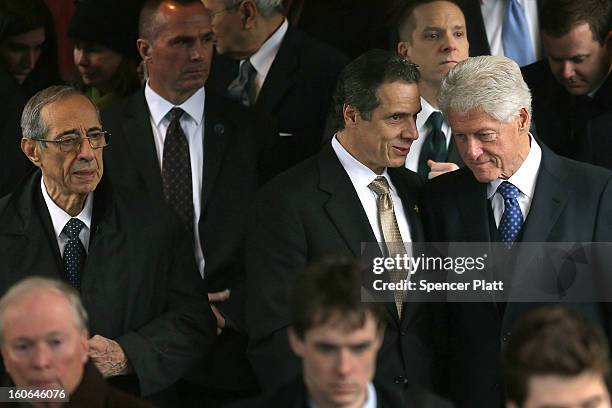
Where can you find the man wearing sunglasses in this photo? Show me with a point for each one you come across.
(136, 274)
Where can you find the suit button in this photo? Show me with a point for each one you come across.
(399, 379)
(402, 333)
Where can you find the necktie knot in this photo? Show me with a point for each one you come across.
(175, 114)
(435, 120)
(73, 228)
(241, 88)
(508, 190)
(380, 185)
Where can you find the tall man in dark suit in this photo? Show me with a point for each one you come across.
(337, 336)
(512, 189)
(204, 162)
(277, 70)
(135, 272)
(572, 89)
(328, 205)
(432, 34)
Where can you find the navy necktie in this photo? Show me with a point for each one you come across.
(242, 88)
(176, 171)
(512, 218)
(515, 35)
(74, 253)
(434, 146)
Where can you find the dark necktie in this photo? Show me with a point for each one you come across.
(512, 218)
(390, 232)
(176, 171)
(242, 88)
(434, 146)
(74, 253)
(515, 35)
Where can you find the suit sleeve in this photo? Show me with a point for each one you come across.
(165, 349)
(275, 251)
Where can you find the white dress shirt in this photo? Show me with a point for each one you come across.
(59, 219)
(524, 179)
(361, 176)
(370, 402)
(493, 12)
(412, 160)
(192, 123)
(264, 57)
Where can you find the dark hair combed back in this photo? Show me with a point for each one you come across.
(148, 12)
(405, 22)
(326, 289)
(558, 17)
(552, 341)
(359, 81)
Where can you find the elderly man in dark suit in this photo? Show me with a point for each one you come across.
(203, 155)
(513, 188)
(277, 70)
(135, 272)
(329, 205)
(572, 88)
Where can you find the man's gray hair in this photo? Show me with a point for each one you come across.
(265, 7)
(32, 125)
(38, 284)
(492, 84)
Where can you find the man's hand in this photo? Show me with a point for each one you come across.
(108, 356)
(438, 168)
(214, 298)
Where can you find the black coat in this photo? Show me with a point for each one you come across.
(235, 147)
(572, 202)
(309, 212)
(296, 95)
(139, 285)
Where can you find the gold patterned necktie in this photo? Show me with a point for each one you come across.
(391, 233)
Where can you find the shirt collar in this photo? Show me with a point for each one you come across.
(426, 111)
(159, 107)
(59, 217)
(370, 402)
(359, 173)
(527, 174)
(264, 57)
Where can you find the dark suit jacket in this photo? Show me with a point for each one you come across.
(297, 92)
(307, 213)
(234, 147)
(572, 202)
(139, 286)
(567, 124)
(295, 395)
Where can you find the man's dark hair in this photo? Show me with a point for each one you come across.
(360, 80)
(559, 17)
(148, 13)
(327, 289)
(552, 340)
(405, 22)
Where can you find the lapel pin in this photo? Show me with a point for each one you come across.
(416, 208)
(219, 128)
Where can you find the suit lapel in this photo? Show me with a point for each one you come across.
(409, 201)
(216, 135)
(279, 79)
(549, 199)
(343, 207)
(473, 207)
(139, 138)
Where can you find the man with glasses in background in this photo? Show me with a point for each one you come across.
(136, 274)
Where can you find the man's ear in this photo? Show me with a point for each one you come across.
(350, 115)
(31, 149)
(248, 11)
(524, 119)
(404, 49)
(144, 49)
(297, 345)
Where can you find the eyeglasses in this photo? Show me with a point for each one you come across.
(213, 14)
(72, 141)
